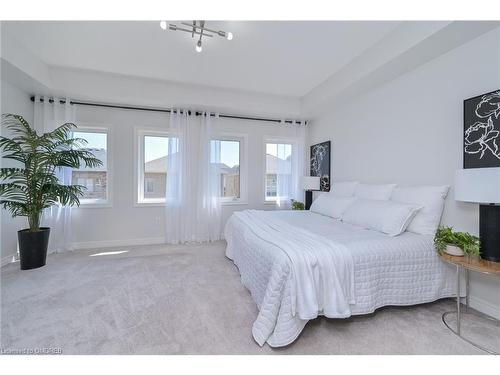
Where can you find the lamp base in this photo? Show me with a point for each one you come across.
(489, 231)
(309, 199)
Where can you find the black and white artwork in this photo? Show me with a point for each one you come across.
(482, 131)
(320, 164)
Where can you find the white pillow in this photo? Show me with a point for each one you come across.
(329, 205)
(378, 192)
(431, 198)
(384, 216)
(343, 189)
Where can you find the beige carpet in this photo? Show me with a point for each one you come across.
(188, 300)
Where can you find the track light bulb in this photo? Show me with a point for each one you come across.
(229, 36)
(163, 25)
(198, 46)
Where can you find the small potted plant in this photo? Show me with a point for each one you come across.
(296, 205)
(456, 243)
(32, 185)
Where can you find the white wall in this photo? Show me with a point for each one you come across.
(13, 100)
(116, 88)
(126, 223)
(409, 131)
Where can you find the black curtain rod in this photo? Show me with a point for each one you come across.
(166, 110)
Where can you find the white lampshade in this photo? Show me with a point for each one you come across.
(479, 185)
(310, 183)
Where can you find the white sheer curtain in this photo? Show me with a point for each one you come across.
(284, 185)
(179, 206)
(299, 163)
(209, 224)
(49, 116)
(192, 207)
(290, 165)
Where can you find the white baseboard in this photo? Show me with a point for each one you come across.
(118, 243)
(8, 259)
(484, 306)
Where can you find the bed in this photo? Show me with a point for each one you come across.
(298, 265)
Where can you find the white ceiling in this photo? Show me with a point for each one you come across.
(276, 57)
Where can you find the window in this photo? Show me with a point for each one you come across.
(225, 155)
(153, 161)
(278, 181)
(95, 180)
(151, 174)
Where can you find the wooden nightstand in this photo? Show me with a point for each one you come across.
(475, 264)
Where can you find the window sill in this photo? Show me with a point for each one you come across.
(269, 202)
(160, 204)
(234, 203)
(149, 204)
(274, 203)
(94, 205)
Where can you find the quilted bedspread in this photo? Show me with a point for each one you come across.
(402, 270)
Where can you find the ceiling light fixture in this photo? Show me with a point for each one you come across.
(196, 28)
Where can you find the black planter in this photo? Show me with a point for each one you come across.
(33, 247)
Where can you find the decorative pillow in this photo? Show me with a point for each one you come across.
(384, 216)
(329, 205)
(378, 192)
(431, 198)
(343, 189)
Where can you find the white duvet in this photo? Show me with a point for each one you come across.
(321, 271)
(299, 264)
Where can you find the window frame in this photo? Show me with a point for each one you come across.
(105, 129)
(139, 179)
(243, 139)
(280, 140)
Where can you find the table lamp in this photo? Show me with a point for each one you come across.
(309, 184)
(482, 185)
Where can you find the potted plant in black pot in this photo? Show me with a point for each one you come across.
(34, 186)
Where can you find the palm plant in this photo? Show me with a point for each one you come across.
(28, 190)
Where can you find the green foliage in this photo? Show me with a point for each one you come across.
(467, 242)
(34, 186)
(297, 205)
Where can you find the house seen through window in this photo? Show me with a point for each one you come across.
(278, 170)
(225, 156)
(95, 180)
(155, 162)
